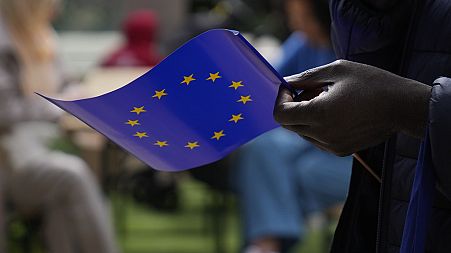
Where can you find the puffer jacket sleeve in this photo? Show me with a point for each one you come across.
(440, 132)
(363, 33)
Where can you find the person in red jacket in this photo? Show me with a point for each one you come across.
(139, 50)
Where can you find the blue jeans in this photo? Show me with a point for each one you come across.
(280, 178)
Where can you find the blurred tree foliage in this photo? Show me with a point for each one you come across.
(90, 15)
(259, 17)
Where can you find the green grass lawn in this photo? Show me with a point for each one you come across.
(189, 230)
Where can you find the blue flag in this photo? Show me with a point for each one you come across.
(207, 98)
(420, 204)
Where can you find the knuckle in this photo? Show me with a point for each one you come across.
(339, 66)
(341, 62)
(303, 75)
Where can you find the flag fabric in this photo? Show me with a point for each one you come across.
(210, 96)
(420, 204)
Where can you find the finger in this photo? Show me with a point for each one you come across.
(287, 112)
(305, 131)
(313, 78)
(308, 95)
(311, 134)
(318, 144)
(284, 95)
(333, 149)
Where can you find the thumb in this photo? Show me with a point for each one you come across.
(314, 78)
(289, 112)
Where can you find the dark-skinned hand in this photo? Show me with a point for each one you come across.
(346, 107)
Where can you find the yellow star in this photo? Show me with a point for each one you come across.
(132, 122)
(218, 135)
(138, 110)
(159, 94)
(214, 76)
(245, 99)
(141, 135)
(236, 85)
(236, 118)
(192, 145)
(188, 79)
(161, 143)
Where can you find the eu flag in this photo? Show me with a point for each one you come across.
(210, 96)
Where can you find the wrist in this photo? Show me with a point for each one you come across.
(414, 106)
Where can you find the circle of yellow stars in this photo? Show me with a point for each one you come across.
(190, 145)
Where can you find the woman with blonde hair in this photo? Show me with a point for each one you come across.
(38, 181)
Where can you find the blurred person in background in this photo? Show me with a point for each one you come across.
(139, 30)
(36, 180)
(282, 179)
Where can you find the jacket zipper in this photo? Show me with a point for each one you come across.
(390, 148)
(389, 145)
(379, 209)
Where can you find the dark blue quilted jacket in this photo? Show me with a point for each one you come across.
(411, 38)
